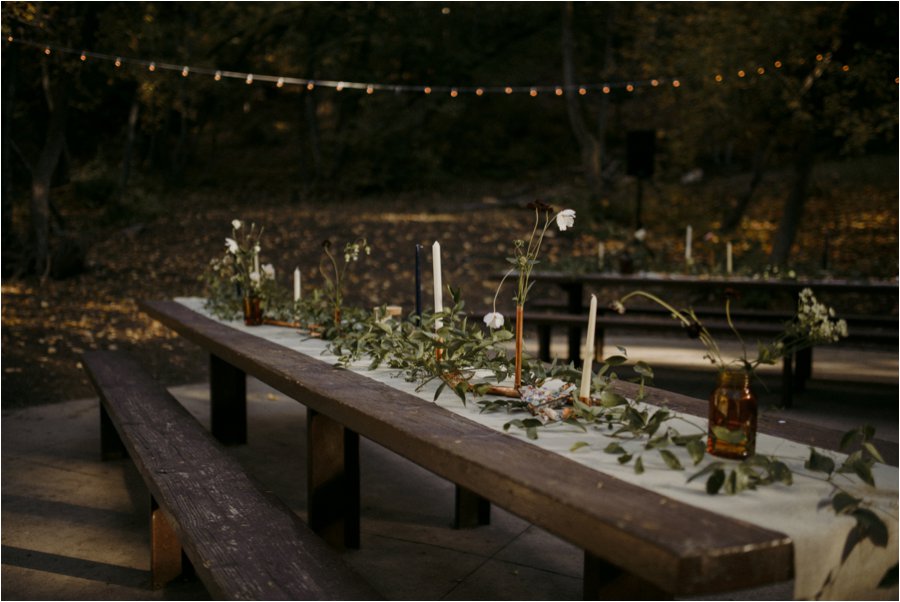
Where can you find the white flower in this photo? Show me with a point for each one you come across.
(565, 219)
(494, 320)
(618, 307)
(640, 235)
(236, 224)
(232, 245)
(269, 271)
(254, 277)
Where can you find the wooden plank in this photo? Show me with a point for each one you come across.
(691, 550)
(242, 543)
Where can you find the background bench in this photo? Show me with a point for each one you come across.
(242, 542)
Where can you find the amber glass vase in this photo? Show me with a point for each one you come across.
(253, 315)
(732, 416)
(517, 379)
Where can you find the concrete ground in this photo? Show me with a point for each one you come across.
(74, 528)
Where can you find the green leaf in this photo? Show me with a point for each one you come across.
(439, 390)
(727, 435)
(715, 481)
(890, 578)
(614, 448)
(639, 465)
(731, 483)
(608, 399)
(624, 458)
(697, 449)
(575, 423)
(578, 445)
(615, 360)
(873, 451)
(670, 459)
(844, 503)
(819, 462)
(644, 369)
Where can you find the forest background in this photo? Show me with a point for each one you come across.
(771, 125)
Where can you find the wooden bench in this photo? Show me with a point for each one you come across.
(242, 542)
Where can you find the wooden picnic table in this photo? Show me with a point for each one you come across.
(636, 541)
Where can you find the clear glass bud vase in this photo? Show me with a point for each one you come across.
(732, 416)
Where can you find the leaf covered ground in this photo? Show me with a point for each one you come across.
(46, 326)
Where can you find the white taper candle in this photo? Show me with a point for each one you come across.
(438, 286)
(586, 370)
(296, 284)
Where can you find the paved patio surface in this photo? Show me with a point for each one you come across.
(74, 528)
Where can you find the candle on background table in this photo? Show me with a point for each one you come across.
(688, 240)
(296, 284)
(601, 254)
(256, 262)
(586, 369)
(438, 287)
(419, 280)
(729, 265)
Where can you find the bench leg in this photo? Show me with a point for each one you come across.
(165, 548)
(470, 509)
(228, 402)
(333, 480)
(111, 446)
(604, 581)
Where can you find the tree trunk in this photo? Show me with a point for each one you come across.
(793, 207)
(10, 238)
(733, 219)
(42, 175)
(128, 151)
(590, 147)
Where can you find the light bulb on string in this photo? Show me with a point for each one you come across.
(47, 50)
(479, 92)
(533, 92)
(83, 56)
(606, 89)
(719, 77)
(310, 86)
(249, 79)
(654, 82)
(820, 58)
(676, 83)
(339, 87)
(118, 62)
(761, 70)
(582, 91)
(508, 90)
(218, 76)
(742, 73)
(152, 67)
(370, 90)
(9, 38)
(185, 71)
(427, 90)
(630, 88)
(279, 83)
(454, 93)
(559, 91)
(778, 64)
(845, 68)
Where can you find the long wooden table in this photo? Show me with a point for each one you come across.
(636, 542)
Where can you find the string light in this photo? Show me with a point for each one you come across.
(369, 88)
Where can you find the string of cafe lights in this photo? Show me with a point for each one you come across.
(281, 81)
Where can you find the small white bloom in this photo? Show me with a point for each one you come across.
(640, 235)
(257, 248)
(254, 277)
(618, 307)
(493, 320)
(236, 224)
(565, 219)
(232, 245)
(269, 271)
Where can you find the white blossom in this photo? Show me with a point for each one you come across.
(254, 277)
(236, 224)
(493, 320)
(232, 245)
(565, 219)
(269, 271)
(640, 235)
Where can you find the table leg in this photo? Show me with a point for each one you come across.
(787, 381)
(605, 581)
(470, 509)
(803, 369)
(333, 480)
(545, 339)
(575, 291)
(228, 402)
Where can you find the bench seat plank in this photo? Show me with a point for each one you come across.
(243, 542)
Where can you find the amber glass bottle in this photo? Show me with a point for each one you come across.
(732, 416)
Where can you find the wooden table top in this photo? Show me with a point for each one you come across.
(690, 550)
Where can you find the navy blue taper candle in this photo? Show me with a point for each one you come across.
(419, 281)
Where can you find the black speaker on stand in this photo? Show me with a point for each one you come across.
(640, 155)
